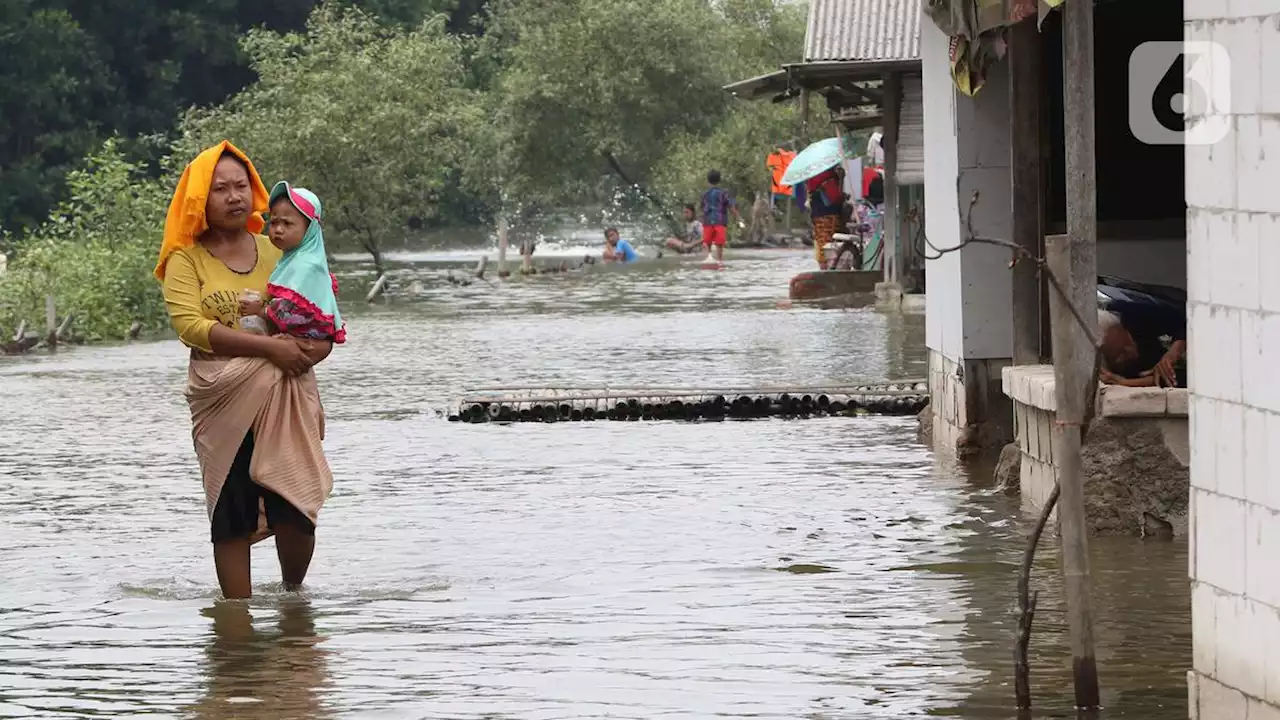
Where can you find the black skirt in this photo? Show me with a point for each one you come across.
(236, 514)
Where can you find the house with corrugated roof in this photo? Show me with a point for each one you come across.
(1134, 143)
(863, 57)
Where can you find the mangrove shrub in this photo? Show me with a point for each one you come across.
(94, 255)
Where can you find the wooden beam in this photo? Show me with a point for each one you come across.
(891, 251)
(867, 95)
(1025, 174)
(859, 122)
(804, 115)
(1073, 357)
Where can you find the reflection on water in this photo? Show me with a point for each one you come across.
(274, 674)
(630, 570)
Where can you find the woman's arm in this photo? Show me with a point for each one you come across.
(182, 298)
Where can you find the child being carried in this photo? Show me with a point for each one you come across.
(301, 293)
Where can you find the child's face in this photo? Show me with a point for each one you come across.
(688, 214)
(611, 237)
(287, 225)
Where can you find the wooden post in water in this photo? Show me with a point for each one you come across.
(502, 245)
(377, 289)
(891, 255)
(1075, 264)
(50, 321)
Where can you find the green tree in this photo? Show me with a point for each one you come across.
(737, 148)
(51, 81)
(75, 71)
(757, 37)
(94, 254)
(367, 115)
(582, 78)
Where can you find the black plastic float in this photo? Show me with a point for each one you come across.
(579, 405)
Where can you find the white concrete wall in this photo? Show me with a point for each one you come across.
(944, 326)
(969, 323)
(1233, 238)
(970, 314)
(1159, 261)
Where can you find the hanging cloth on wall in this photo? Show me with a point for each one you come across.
(977, 32)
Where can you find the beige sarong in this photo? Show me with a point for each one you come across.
(229, 397)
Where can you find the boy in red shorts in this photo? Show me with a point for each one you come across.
(716, 206)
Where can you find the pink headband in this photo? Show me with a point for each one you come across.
(303, 205)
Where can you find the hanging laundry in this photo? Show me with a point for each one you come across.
(777, 162)
(977, 32)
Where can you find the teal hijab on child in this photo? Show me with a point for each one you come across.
(302, 275)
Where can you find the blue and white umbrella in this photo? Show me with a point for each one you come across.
(818, 157)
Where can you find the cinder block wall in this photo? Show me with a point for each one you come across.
(1233, 267)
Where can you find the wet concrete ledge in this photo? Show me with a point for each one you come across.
(1136, 459)
(891, 297)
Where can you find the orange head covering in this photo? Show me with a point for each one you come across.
(185, 221)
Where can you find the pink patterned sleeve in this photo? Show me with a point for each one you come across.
(334, 278)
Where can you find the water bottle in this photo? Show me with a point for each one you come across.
(252, 323)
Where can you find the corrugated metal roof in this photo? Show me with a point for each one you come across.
(872, 30)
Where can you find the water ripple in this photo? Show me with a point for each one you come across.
(830, 568)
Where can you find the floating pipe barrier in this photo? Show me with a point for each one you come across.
(551, 405)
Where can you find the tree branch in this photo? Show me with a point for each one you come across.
(658, 204)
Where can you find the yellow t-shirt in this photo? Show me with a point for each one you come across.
(200, 290)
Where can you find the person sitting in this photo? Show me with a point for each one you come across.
(616, 249)
(692, 241)
(1141, 344)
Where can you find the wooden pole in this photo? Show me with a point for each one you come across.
(502, 245)
(377, 289)
(65, 327)
(1025, 174)
(51, 321)
(1076, 267)
(1073, 376)
(526, 257)
(804, 116)
(890, 249)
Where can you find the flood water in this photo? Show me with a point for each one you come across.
(824, 568)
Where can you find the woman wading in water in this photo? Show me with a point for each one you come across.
(255, 408)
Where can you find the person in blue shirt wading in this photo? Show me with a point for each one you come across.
(616, 249)
(716, 207)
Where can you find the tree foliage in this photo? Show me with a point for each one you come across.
(582, 78)
(682, 172)
(396, 112)
(367, 115)
(95, 254)
(641, 79)
(77, 71)
(51, 80)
